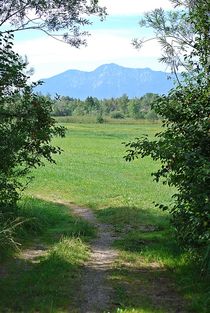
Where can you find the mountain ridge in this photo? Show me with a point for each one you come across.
(106, 81)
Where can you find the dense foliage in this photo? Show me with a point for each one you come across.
(26, 127)
(117, 108)
(183, 147)
(63, 20)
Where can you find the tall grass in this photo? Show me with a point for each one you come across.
(8, 231)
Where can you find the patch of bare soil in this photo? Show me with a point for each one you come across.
(96, 292)
(34, 253)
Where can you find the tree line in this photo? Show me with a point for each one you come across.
(118, 108)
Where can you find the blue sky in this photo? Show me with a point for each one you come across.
(110, 42)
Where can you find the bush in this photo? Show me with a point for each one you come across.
(26, 127)
(117, 115)
(151, 115)
(183, 147)
(100, 119)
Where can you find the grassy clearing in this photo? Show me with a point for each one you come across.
(92, 172)
(150, 272)
(45, 275)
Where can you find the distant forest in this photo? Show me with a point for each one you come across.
(118, 108)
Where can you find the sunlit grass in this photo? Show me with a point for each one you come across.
(92, 171)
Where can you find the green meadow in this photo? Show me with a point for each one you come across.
(92, 172)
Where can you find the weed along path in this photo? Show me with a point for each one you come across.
(96, 292)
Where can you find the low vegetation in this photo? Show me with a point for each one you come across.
(44, 274)
(92, 172)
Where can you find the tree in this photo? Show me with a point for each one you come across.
(63, 106)
(123, 104)
(177, 33)
(135, 108)
(60, 19)
(91, 105)
(26, 127)
(183, 146)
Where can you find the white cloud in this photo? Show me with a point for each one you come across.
(49, 57)
(133, 7)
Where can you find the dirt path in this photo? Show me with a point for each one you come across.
(96, 293)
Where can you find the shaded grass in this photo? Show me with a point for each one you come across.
(49, 285)
(126, 218)
(146, 290)
(149, 259)
(92, 172)
(50, 280)
(50, 221)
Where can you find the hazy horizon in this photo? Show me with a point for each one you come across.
(110, 42)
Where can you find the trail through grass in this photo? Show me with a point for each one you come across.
(150, 275)
(45, 275)
(92, 172)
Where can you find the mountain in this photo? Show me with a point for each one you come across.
(106, 81)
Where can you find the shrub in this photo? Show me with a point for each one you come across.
(117, 115)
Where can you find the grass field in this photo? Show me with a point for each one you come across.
(91, 172)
